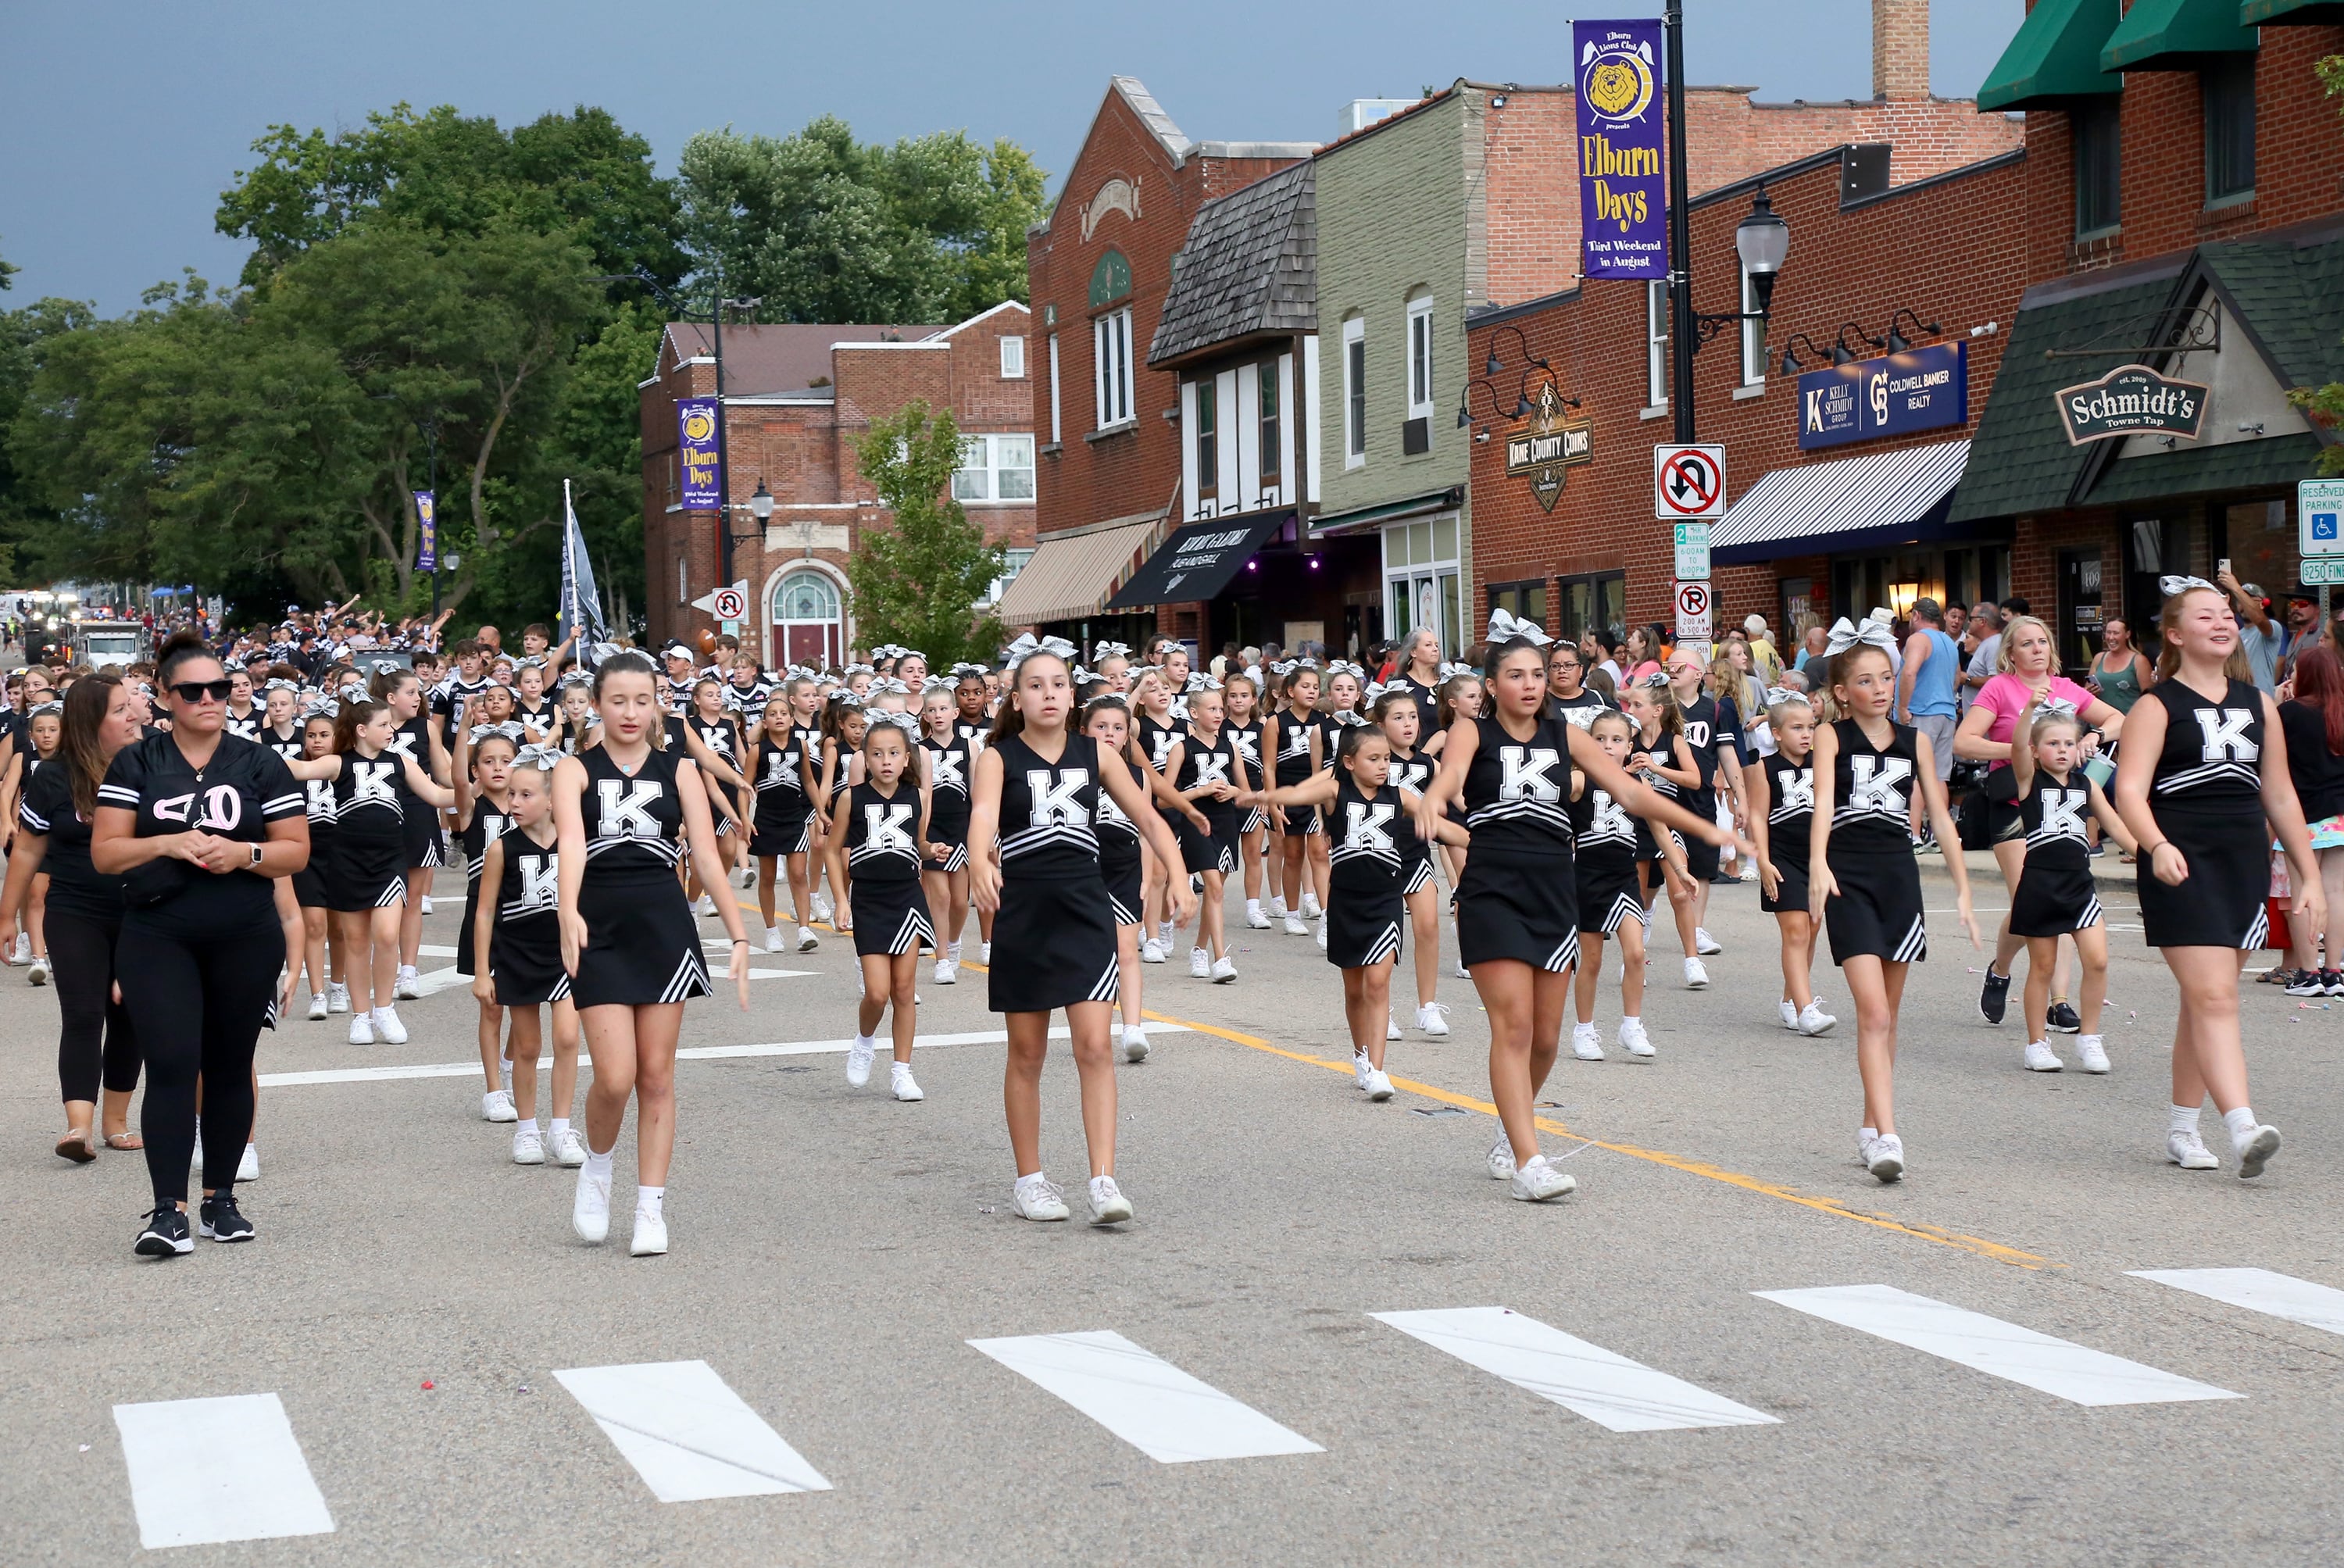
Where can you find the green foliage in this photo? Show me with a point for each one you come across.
(27, 519)
(2324, 406)
(918, 582)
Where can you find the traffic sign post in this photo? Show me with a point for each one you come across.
(730, 606)
(2319, 520)
(1693, 601)
(1688, 482)
(2322, 571)
(1692, 551)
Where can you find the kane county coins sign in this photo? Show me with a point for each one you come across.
(1551, 445)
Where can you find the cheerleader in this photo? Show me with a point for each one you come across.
(1860, 866)
(1157, 728)
(1461, 694)
(1662, 757)
(626, 813)
(1516, 914)
(482, 772)
(514, 942)
(1106, 721)
(883, 843)
(779, 833)
(1112, 661)
(538, 713)
(1293, 737)
(45, 727)
(712, 734)
(322, 947)
(970, 699)
(1781, 826)
(281, 728)
(1208, 772)
(2056, 896)
(2203, 784)
(945, 872)
(844, 721)
(1372, 849)
(574, 728)
(1034, 802)
(1396, 712)
(1241, 703)
(1611, 899)
(417, 739)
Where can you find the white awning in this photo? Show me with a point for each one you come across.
(1846, 503)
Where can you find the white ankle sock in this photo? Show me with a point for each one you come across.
(2241, 1123)
(1253, 906)
(557, 1127)
(599, 1165)
(2185, 1119)
(649, 1199)
(1626, 1019)
(952, 951)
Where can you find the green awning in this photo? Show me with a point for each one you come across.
(2291, 13)
(2176, 35)
(2055, 57)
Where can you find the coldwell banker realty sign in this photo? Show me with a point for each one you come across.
(703, 478)
(1624, 215)
(2131, 400)
(1919, 389)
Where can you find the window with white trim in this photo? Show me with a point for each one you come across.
(1420, 357)
(683, 580)
(1656, 344)
(995, 467)
(1753, 335)
(1013, 562)
(1355, 392)
(1013, 359)
(1111, 369)
(1057, 434)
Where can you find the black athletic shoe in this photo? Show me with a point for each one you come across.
(165, 1235)
(2307, 983)
(2064, 1019)
(1995, 1000)
(219, 1222)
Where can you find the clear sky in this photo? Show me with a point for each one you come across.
(121, 121)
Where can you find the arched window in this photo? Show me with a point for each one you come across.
(806, 629)
(805, 596)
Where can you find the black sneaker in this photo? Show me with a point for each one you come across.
(219, 1222)
(2307, 983)
(2064, 1019)
(165, 1235)
(2332, 981)
(1995, 1000)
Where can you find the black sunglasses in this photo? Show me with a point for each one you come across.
(197, 691)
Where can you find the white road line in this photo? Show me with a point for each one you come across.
(687, 1434)
(2058, 1367)
(1605, 1386)
(2259, 1291)
(211, 1470)
(1144, 1399)
(689, 1054)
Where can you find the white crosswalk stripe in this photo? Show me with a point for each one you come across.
(1605, 1386)
(687, 1434)
(1146, 1401)
(213, 1470)
(2057, 1367)
(2260, 1291)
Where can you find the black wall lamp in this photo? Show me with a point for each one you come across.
(1493, 366)
(1792, 363)
(1897, 341)
(1465, 401)
(1844, 355)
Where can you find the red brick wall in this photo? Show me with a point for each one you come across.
(1530, 164)
(1900, 48)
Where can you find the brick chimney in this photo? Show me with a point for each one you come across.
(1900, 48)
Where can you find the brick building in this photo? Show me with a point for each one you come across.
(797, 397)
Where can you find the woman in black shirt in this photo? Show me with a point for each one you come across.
(2313, 723)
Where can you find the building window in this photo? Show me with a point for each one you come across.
(1753, 336)
(1209, 444)
(1596, 602)
(995, 467)
(683, 580)
(673, 479)
(2227, 92)
(1355, 392)
(1056, 428)
(1420, 357)
(1013, 359)
(1013, 562)
(2098, 206)
(1111, 368)
(1523, 600)
(1273, 457)
(1421, 579)
(1656, 345)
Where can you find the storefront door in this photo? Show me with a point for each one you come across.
(2081, 614)
(807, 628)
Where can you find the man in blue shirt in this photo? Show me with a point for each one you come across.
(1925, 685)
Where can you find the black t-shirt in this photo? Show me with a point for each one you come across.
(2318, 774)
(47, 809)
(447, 702)
(243, 788)
(1577, 711)
(1703, 732)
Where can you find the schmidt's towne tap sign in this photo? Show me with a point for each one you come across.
(1919, 389)
(2130, 400)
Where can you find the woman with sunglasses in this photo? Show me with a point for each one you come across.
(197, 823)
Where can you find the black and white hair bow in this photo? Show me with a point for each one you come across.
(541, 758)
(1658, 681)
(1200, 682)
(602, 651)
(1346, 718)
(1505, 627)
(853, 670)
(281, 684)
(577, 678)
(1450, 671)
(887, 685)
(1345, 667)
(1847, 635)
(2054, 708)
(887, 651)
(354, 693)
(1081, 676)
(2172, 584)
(1027, 645)
(845, 699)
(800, 673)
(320, 708)
(1776, 695)
(510, 730)
(1291, 666)
(893, 720)
(1106, 650)
(935, 683)
(963, 671)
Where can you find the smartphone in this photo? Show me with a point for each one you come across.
(2222, 567)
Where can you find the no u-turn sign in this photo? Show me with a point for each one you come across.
(1688, 481)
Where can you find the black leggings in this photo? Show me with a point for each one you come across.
(198, 1004)
(81, 956)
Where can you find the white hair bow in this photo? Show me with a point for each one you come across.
(1344, 667)
(800, 673)
(853, 670)
(283, 685)
(1027, 645)
(1200, 682)
(887, 651)
(2056, 707)
(961, 672)
(1846, 634)
(321, 708)
(1778, 694)
(1376, 689)
(1504, 627)
(1346, 718)
(508, 730)
(893, 720)
(935, 683)
(541, 758)
(1288, 666)
(890, 685)
(1450, 671)
(2173, 584)
(1106, 650)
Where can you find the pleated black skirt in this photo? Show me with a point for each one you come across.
(1052, 943)
(1520, 907)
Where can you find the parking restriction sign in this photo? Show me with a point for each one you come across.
(1688, 482)
(1693, 601)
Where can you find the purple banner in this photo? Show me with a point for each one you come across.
(1623, 203)
(696, 448)
(427, 529)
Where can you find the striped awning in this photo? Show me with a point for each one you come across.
(1896, 497)
(1069, 579)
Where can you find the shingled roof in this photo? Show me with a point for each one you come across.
(1249, 268)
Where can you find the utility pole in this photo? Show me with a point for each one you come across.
(723, 442)
(431, 447)
(1681, 315)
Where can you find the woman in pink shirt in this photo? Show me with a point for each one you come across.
(2025, 673)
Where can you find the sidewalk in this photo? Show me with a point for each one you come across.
(2108, 873)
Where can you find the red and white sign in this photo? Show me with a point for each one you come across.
(1688, 482)
(725, 603)
(1693, 601)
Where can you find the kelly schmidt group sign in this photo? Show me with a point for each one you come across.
(1919, 389)
(1623, 205)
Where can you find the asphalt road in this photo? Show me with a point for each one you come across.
(412, 1295)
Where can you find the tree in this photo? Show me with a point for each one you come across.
(2324, 406)
(919, 581)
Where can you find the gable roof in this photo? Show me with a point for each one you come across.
(1249, 265)
(776, 357)
(1176, 148)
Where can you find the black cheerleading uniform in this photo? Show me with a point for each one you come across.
(1577, 711)
(948, 769)
(1118, 854)
(1604, 861)
(2056, 893)
(1790, 827)
(95, 1041)
(525, 930)
(246, 725)
(485, 827)
(424, 844)
(1212, 847)
(779, 827)
(1247, 740)
(1156, 741)
(537, 720)
(311, 883)
(1647, 842)
(1293, 764)
(1519, 897)
(1876, 913)
(1054, 937)
(371, 810)
(1414, 772)
(1705, 731)
(1370, 841)
(2206, 797)
(287, 747)
(642, 946)
(882, 870)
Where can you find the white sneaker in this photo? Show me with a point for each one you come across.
(1585, 1043)
(1201, 964)
(1537, 1180)
(807, 940)
(821, 906)
(858, 1062)
(39, 972)
(1462, 972)
(1278, 908)
(1432, 1021)
(248, 1164)
(404, 988)
(1108, 1205)
(528, 1145)
(427, 904)
(1360, 1068)
(590, 1211)
(2042, 1058)
(2188, 1151)
(2255, 1150)
(23, 953)
(1814, 1020)
(773, 939)
(1295, 927)
(1151, 952)
(1255, 920)
(337, 996)
(1036, 1197)
(1224, 969)
(1885, 1160)
(1696, 974)
(1501, 1159)
(1135, 1043)
(900, 1080)
(746, 876)
(1378, 1086)
(947, 972)
(497, 1105)
(1322, 934)
(649, 1238)
(1638, 1043)
(1391, 1026)
(1705, 944)
(1164, 929)
(361, 1029)
(1310, 906)
(1790, 1013)
(569, 1148)
(2093, 1052)
(984, 952)
(388, 1029)
(316, 1007)
(707, 905)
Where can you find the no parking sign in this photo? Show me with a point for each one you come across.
(1692, 599)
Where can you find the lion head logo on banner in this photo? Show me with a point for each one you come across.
(1616, 82)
